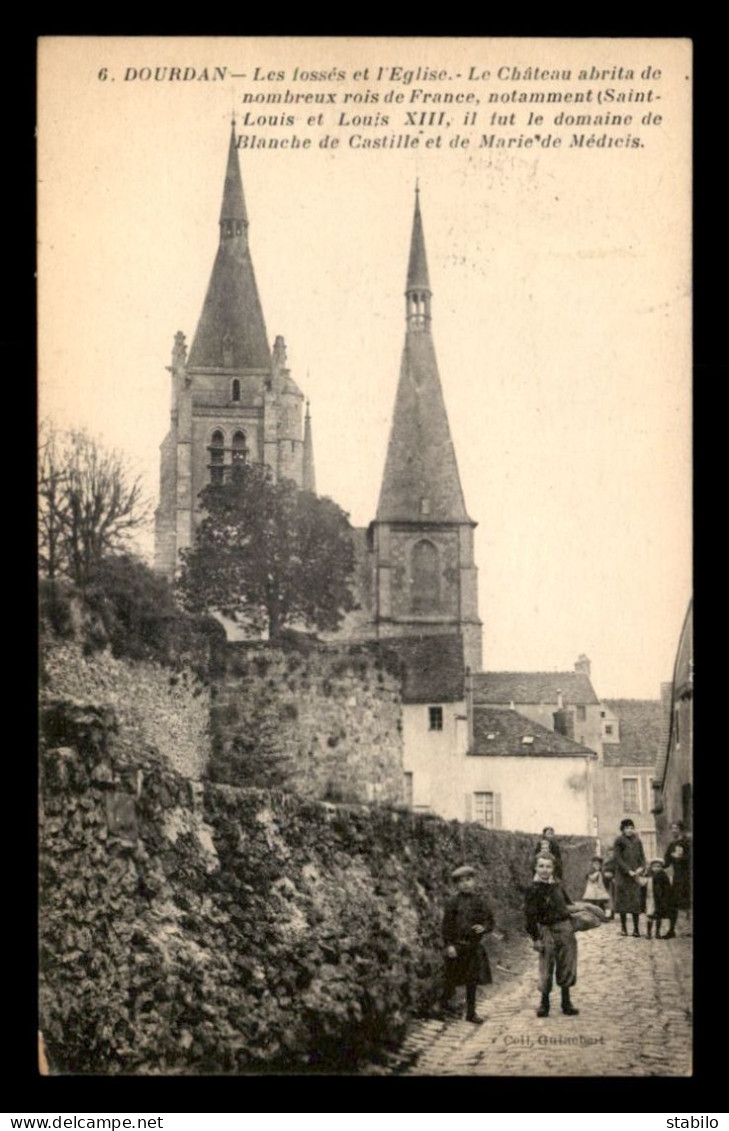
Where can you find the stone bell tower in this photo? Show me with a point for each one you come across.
(233, 397)
(426, 581)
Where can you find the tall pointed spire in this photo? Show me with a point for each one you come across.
(234, 205)
(308, 481)
(417, 287)
(421, 477)
(231, 333)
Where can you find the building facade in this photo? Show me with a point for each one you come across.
(675, 770)
(233, 397)
(630, 747)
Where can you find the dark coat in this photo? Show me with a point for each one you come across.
(554, 850)
(462, 913)
(681, 872)
(663, 896)
(628, 854)
(545, 905)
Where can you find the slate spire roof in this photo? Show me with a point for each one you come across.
(418, 263)
(231, 333)
(234, 204)
(421, 473)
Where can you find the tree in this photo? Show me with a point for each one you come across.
(268, 555)
(89, 504)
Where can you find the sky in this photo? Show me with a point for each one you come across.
(561, 308)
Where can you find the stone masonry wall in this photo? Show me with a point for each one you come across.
(191, 928)
(334, 712)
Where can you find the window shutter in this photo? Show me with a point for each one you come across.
(497, 810)
(469, 806)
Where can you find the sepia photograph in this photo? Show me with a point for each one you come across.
(365, 557)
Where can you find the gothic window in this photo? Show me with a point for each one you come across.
(235, 390)
(240, 453)
(424, 577)
(217, 457)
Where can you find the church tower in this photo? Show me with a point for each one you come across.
(233, 398)
(426, 582)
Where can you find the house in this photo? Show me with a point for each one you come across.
(630, 747)
(434, 719)
(539, 695)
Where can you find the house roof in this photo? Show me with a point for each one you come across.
(433, 667)
(501, 733)
(640, 724)
(533, 687)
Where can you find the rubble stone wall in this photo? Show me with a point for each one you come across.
(191, 927)
(332, 715)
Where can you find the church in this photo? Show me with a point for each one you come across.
(468, 753)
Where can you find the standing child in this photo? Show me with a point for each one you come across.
(549, 843)
(660, 900)
(547, 909)
(466, 920)
(595, 889)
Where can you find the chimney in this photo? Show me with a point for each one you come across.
(582, 664)
(564, 722)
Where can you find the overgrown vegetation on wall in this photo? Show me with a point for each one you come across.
(190, 928)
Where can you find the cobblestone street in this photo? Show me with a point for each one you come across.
(634, 997)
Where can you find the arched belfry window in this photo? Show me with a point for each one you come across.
(235, 390)
(240, 452)
(217, 457)
(424, 577)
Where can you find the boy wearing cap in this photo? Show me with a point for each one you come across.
(466, 920)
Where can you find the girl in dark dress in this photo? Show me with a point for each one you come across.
(466, 919)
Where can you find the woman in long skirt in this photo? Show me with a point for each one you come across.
(629, 860)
